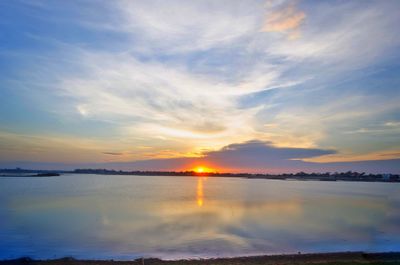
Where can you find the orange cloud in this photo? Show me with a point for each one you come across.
(339, 157)
(287, 20)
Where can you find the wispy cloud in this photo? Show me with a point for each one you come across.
(181, 26)
(112, 153)
(286, 19)
(157, 101)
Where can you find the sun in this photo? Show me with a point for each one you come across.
(199, 169)
(202, 169)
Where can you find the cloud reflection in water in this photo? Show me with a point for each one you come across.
(124, 216)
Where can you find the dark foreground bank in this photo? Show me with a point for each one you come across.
(346, 258)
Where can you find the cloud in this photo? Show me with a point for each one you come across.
(287, 19)
(182, 26)
(395, 124)
(337, 33)
(266, 151)
(112, 153)
(351, 157)
(156, 101)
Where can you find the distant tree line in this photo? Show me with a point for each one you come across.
(327, 176)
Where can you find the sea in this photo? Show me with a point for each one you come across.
(127, 217)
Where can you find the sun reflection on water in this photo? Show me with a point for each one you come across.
(200, 193)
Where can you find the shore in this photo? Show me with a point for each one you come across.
(343, 258)
(300, 176)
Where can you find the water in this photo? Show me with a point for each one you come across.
(125, 217)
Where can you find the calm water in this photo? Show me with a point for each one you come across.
(123, 217)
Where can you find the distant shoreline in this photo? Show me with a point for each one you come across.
(300, 176)
(38, 175)
(285, 259)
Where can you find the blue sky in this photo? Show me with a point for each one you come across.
(117, 82)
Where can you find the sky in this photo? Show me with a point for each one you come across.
(240, 86)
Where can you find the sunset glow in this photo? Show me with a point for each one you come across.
(203, 169)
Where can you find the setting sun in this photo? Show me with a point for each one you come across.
(203, 169)
(199, 169)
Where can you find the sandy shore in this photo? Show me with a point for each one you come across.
(345, 258)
